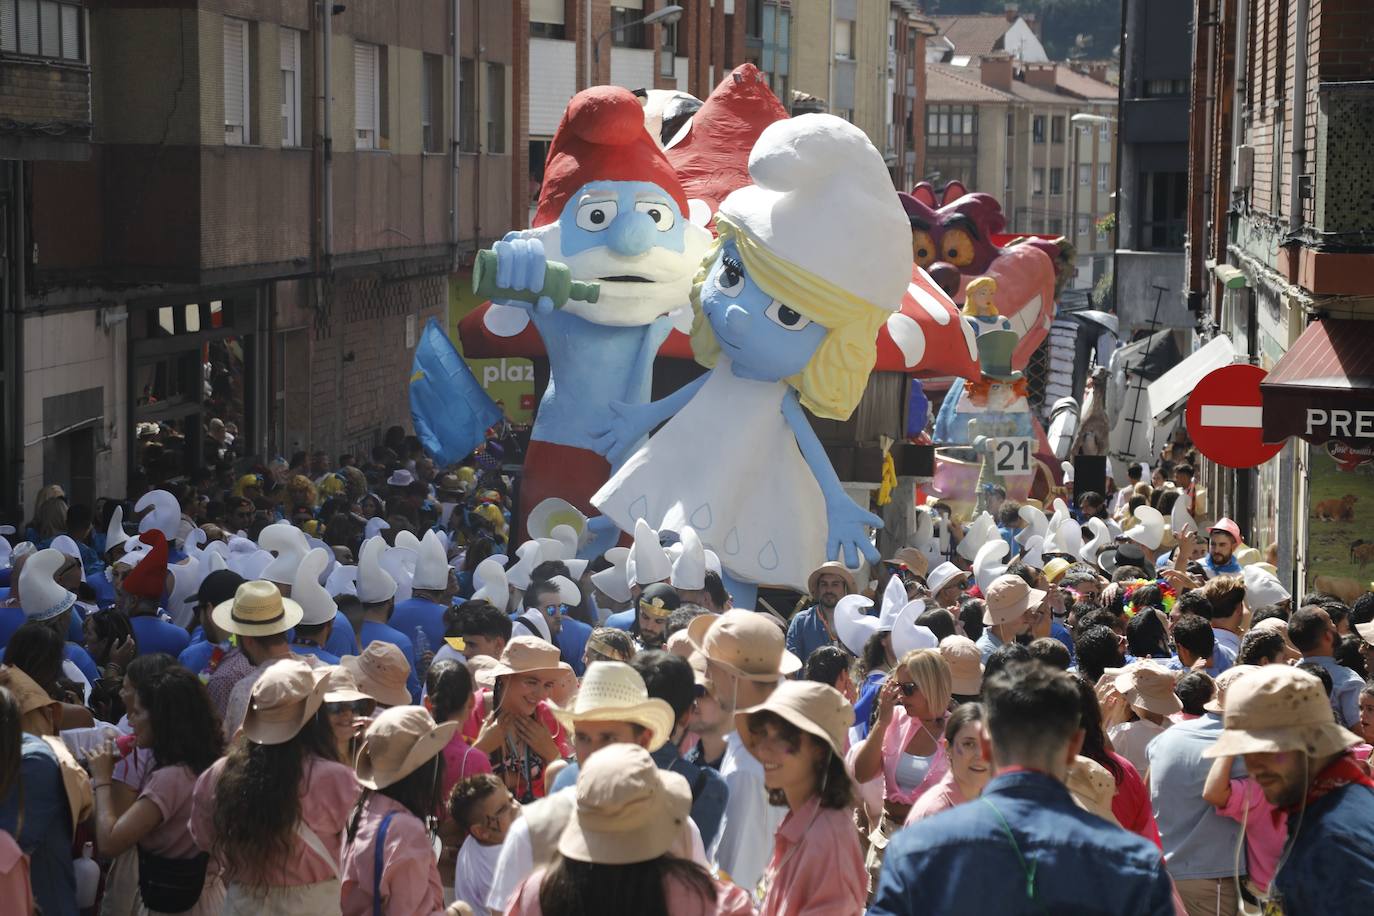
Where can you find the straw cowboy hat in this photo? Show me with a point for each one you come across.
(817, 709)
(615, 692)
(745, 643)
(1276, 709)
(257, 609)
(398, 742)
(965, 665)
(834, 568)
(1147, 685)
(381, 673)
(627, 810)
(523, 655)
(284, 698)
(912, 559)
(1008, 598)
(1223, 682)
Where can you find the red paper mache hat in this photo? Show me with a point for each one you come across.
(149, 578)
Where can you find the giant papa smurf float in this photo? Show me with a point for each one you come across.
(810, 262)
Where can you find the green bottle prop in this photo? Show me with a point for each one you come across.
(558, 283)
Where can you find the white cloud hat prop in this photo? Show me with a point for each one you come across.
(550, 549)
(317, 606)
(1100, 540)
(64, 545)
(853, 624)
(289, 543)
(550, 514)
(568, 592)
(894, 599)
(981, 530)
(1065, 537)
(649, 562)
(924, 539)
(374, 527)
(491, 582)
(907, 636)
(39, 593)
(165, 515)
(186, 579)
(1033, 555)
(1034, 524)
(988, 565)
(527, 557)
(399, 563)
(431, 567)
(114, 533)
(1180, 520)
(343, 580)
(375, 584)
(1148, 530)
(611, 581)
(689, 567)
(567, 536)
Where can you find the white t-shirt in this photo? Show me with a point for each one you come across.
(1130, 739)
(473, 873)
(744, 843)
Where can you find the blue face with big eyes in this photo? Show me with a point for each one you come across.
(627, 217)
(764, 338)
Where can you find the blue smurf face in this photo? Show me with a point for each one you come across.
(628, 217)
(764, 338)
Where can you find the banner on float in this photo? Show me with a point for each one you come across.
(509, 381)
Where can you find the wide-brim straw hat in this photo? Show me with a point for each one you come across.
(341, 687)
(285, 696)
(1279, 708)
(748, 644)
(380, 672)
(398, 742)
(817, 709)
(965, 665)
(627, 810)
(834, 568)
(1222, 682)
(914, 560)
(615, 692)
(1009, 597)
(257, 609)
(1148, 686)
(523, 655)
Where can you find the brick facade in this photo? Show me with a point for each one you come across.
(49, 94)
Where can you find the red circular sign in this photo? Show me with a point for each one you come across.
(1224, 417)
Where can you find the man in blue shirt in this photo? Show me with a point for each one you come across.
(1314, 635)
(1279, 720)
(1222, 541)
(553, 598)
(814, 626)
(377, 592)
(1023, 846)
(431, 595)
(218, 587)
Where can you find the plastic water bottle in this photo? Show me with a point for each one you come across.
(87, 878)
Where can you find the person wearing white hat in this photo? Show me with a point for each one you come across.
(290, 547)
(163, 514)
(947, 583)
(318, 610)
(377, 592)
(1263, 589)
(432, 590)
(551, 601)
(612, 588)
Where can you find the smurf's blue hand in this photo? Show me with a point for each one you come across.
(845, 522)
(629, 424)
(520, 265)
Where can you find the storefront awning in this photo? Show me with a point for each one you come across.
(1323, 388)
(1173, 386)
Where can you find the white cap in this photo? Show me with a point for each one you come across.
(166, 514)
(42, 598)
(400, 478)
(1262, 588)
(942, 575)
(186, 579)
(648, 562)
(431, 567)
(612, 581)
(316, 605)
(375, 585)
(114, 534)
(689, 569)
(289, 543)
(490, 579)
(527, 558)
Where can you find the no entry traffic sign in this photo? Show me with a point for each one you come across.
(1224, 417)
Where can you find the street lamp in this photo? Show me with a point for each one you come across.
(666, 16)
(1084, 118)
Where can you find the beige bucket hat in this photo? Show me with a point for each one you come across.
(965, 665)
(746, 643)
(397, 743)
(380, 672)
(1279, 708)
(522, 655)
(340, 686)
(284, 698)
(815, 708)
(1147, 685)
(1008, 598)
(627, 809)
(1223, 681)
(257, 609)
(615, 692)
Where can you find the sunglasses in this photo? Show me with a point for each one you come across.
(357, 707)
(556, 610)
(907, 689)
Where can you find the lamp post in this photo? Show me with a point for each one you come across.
(666, 16)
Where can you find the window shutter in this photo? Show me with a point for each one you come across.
(9, 23)
(71, 32)
(28, 26)
(365, 93)
(628, 4)
(547, 11)
(290, 102)
(234, 107)
(50, 29)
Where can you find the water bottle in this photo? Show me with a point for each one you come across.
(87, 878)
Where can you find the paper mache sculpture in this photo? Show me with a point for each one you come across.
(809, 263)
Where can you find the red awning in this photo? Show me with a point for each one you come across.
(1323, 388)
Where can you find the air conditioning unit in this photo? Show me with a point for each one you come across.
(1244, 167)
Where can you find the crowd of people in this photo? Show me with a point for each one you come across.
(364, 690)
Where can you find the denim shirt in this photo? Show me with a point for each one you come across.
(806, 633)
(1330, 868)
(1198, 842)
(962, 860)
(47, 834)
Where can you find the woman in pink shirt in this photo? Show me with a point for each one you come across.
(798, 734)
(172, 717)
(449, 698)
(969, 771)
(388, 858)
(613, 855)
(274, 810)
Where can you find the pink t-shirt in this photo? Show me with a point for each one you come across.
(943, 795)
(328, 791)
(817, 866)
(1266, 828)
(134, 768)
(682, 899)
(14, 876)
(170, 788)
(409, 881)
(460, 762)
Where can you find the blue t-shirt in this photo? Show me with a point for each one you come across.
(572, 643)
(419, 614)
(623, 620)
(196, 656)
(11, 619)
(82, 659)
(1198, 842)
(47, 833)
(342, 640)
(375, 632)
(322, 654)
(157, 635)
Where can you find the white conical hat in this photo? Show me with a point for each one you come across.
(375, 526)
(611, 581)
(567, 536)
(894, 599)
(1180, 520)
(251, 565)
(987, 564)
(1032, 555)
(1148, 530)
(648, 559)
(408, 541)
(342, 581)
(42, 598)
(550, 514)
(1065, 537)
(64, 544)
(212, 561)
(981, 530)
(114, 534)
(431, 568)
(527, 558)
(186, 579)
(907, 636)
(853, 624)
(689, 567)
(576, 568)
(925, 539)
(568, 592)
(316, 604)
(375, 584)
(1034, 524)
(4, 552)
(550, 549)
(166, 514)
(289, 543)
(194, 543)
(399, 563)
(1101, 539)
(490, 579)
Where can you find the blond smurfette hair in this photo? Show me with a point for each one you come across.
(833, 381)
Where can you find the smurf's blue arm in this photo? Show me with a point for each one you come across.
(630, 423)
(641, 377)
(845, 518)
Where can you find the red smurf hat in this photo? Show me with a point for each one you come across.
(602, 138)
(149, 578)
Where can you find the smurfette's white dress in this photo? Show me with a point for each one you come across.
(728, 464)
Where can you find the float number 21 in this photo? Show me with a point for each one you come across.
(1012, 457)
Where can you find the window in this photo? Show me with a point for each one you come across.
(1155, 89)
(1038, 129)
(1057, 129)
(1056, 225)
(42, 28)
(1006, 186)
(1104, 176)
(1085, 175)
(546, 19)
(753, 20)
(1038, 182)
(627, 20)
(1081, 223)
(1163, 211)
(1011, 124)
(366, 95)
(952, 126)
(290, 87)
(1056, 181)
(1104, 132)
(496, 108)
(667, 50)
(237, 92)
(1102, 233)
(432, 104)
(467, 106)
(844, 39)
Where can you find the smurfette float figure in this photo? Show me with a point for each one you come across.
(810, 261)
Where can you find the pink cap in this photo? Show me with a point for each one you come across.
(1228, 526)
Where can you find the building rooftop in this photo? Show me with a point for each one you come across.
(1080, 85)
(974, 34)
(948, 83)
